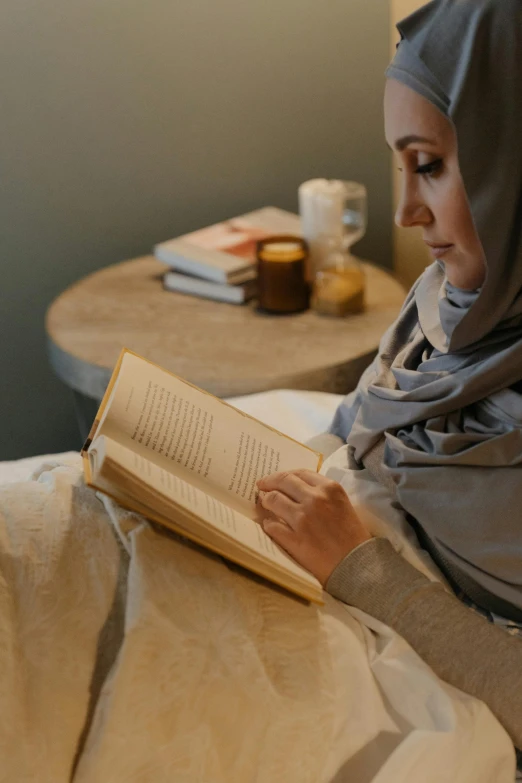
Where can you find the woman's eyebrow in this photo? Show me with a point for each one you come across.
(405, 141)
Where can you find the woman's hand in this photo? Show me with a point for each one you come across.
(310, 517)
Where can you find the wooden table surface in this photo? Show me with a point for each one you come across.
(225, 349)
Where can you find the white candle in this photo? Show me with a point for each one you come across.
(321, 206)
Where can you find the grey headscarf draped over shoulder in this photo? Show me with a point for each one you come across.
(445, 387)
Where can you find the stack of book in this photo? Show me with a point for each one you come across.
(219, 262)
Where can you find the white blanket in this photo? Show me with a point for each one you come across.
(127, 656)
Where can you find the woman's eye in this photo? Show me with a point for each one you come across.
(427, 169)
(430, 168)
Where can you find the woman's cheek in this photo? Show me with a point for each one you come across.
(447, 211)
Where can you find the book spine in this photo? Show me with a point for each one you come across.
(221, 293)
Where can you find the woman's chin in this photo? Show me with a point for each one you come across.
(458, 278)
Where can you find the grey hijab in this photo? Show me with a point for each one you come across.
(445, 389)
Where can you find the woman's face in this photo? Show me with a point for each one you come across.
(433, 194)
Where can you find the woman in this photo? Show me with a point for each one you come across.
(438, 415)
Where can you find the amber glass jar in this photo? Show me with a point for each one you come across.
(281, 269)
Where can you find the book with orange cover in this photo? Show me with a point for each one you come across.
(226, 252)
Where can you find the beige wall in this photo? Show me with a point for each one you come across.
(410, 254)
(125, 123)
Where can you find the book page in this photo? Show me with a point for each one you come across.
(222, 519)
(197, 436)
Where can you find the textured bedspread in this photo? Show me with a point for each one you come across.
(129, 655)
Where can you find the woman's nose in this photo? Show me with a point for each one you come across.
(411, 211)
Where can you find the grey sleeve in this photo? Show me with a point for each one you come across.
(461, 646)
(325, 442)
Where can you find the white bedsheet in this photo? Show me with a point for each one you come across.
(218, 677)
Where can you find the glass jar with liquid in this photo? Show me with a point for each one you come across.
(282, 286)
(339, 282)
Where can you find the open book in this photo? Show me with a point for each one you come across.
(189, 461)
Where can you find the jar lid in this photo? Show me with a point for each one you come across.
(282, 248)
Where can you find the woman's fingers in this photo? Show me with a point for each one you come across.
(281, 533)
(289, 483)
(295, 483)
(279, 504)
(310, 477)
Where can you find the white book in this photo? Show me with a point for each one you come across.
(226, 252)
(187, 284)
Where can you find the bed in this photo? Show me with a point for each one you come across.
(322, 696)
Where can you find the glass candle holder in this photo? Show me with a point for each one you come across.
(332, 207)
(355, 213)
(281, 270)
(339, 284)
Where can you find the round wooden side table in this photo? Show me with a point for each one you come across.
(226, 349)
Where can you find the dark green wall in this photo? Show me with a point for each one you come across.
(126, 123)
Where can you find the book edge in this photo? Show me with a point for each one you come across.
(217, 291)
(222, 270)
(103, 404)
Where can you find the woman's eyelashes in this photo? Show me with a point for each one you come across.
(431, 169)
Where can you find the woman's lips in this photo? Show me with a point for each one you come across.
(437, 251)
